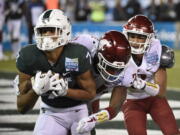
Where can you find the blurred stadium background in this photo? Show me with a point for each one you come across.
(13, 123)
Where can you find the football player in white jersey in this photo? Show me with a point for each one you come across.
(148, 66)
(110, 57)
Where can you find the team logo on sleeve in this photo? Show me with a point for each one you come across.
(71, 64)
(152, 58)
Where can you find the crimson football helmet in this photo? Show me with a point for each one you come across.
(113, 54)
(139, 25)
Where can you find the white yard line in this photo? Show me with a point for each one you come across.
(122, 132)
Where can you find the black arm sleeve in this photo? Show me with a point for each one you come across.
(167, 57)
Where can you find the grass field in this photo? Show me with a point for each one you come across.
(173, 73)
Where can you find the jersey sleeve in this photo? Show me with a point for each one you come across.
(167, 57)
(153, 55)
(85, 61)
(21, 64)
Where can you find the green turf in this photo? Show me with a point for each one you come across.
(173, 73)
(8, 66)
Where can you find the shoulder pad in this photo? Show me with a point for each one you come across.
(167, 57)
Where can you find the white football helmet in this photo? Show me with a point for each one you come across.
(52, 20)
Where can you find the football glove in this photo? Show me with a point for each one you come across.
(150, 88)
(88, 123)
(138, 83)
(16, 85)
(41, 83)
(61, 88)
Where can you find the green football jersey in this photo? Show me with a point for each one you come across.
(74, 60)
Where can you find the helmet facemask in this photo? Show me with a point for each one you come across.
(110, 72)
(48, 42)
(139, 47)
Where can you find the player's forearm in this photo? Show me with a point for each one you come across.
(114, 110)
(117, 98)
(161, 80)
(117, 107)
(155, 89)
(162, 92)
(80, 94)
(26, 102)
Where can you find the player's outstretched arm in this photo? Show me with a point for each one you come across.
(117, 98)
(88, 87)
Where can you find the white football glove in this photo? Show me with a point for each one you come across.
(150, 88)
(88, 123)
(61, 88)
(16, 85)
(139, 83)
(41, 83)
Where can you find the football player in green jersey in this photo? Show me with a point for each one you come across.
(59, 72)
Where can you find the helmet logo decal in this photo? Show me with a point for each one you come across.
(45, 21)
(47, 14)
(102, 43)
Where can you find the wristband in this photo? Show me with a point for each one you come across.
(102, 116)
(152, 88)
(111, 111)
(105, 115)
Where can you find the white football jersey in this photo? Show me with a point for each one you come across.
(150, 64)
